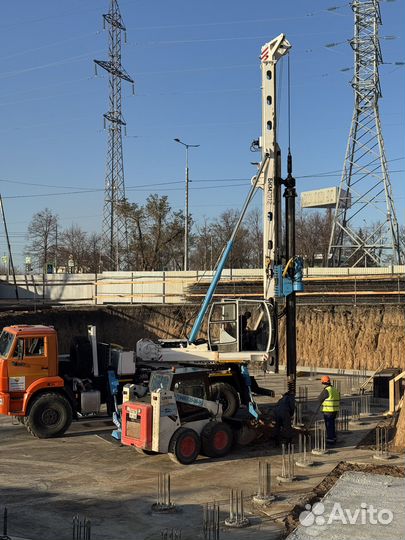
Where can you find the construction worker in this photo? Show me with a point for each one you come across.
(244, 331)
(283, 414)
(330, 402)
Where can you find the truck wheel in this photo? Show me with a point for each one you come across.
(216, 439)
(50, 415)
(184, 446)
(227, 396)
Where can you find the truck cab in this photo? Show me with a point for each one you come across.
(28, 364)
(45, 391)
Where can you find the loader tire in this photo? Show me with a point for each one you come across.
(245, 435)
(216, 439)
(227, 396)
(50, 415)
(184, 446)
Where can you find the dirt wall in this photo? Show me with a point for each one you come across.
(352, 337)
(122, 325)
(333, 336)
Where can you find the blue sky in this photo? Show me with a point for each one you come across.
(196, 67)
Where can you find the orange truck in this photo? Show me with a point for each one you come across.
(44, 391)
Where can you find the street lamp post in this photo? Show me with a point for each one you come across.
(186, 221)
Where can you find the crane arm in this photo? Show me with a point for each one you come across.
(228, 248)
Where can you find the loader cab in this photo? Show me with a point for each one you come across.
(190, 381)
(190, 385)
(241, 325)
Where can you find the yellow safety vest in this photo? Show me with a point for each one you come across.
(332, 402)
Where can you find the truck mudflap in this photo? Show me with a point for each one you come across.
(45, 383)
(4, 403)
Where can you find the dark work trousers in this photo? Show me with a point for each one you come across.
(330, 425)
(284, 430)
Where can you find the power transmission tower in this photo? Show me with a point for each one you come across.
(114, 226)
(365, 191)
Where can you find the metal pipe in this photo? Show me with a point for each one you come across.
(290, 195)
(5, 522)
(9, 248)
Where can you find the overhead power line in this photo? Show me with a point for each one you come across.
(156, 183)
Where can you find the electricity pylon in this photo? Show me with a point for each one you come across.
(365, 192)
(114, 229)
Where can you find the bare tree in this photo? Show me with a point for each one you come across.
(201, 256)
(222, 229)
(155, 234)
(254, 225)
(94, 253)
(42, 238)
(79, 251)
(312, 236)
(72, 249)
(211, 238)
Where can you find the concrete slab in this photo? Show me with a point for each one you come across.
(44, 483)
(360, 506)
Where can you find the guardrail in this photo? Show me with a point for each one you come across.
(176, 287)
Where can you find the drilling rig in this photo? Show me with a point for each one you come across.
(239, 330)
(228, 338)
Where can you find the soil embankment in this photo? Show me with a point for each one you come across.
(335, 336)
(363, 337)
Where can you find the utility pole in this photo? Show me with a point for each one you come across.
(365, 188)
(56, 249)
(10, 256)
(114, 229)
(186, 212)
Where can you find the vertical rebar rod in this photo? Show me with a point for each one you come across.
(81, 528)
(304, 443)
(163, 500)
(355, 410)
(5, 521)
(365, 404)
(236, 510)
(319, 438)
(264, 495)
(283, 470)
(382, 443)
(287, 463)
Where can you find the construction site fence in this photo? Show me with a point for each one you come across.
(171, 287)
